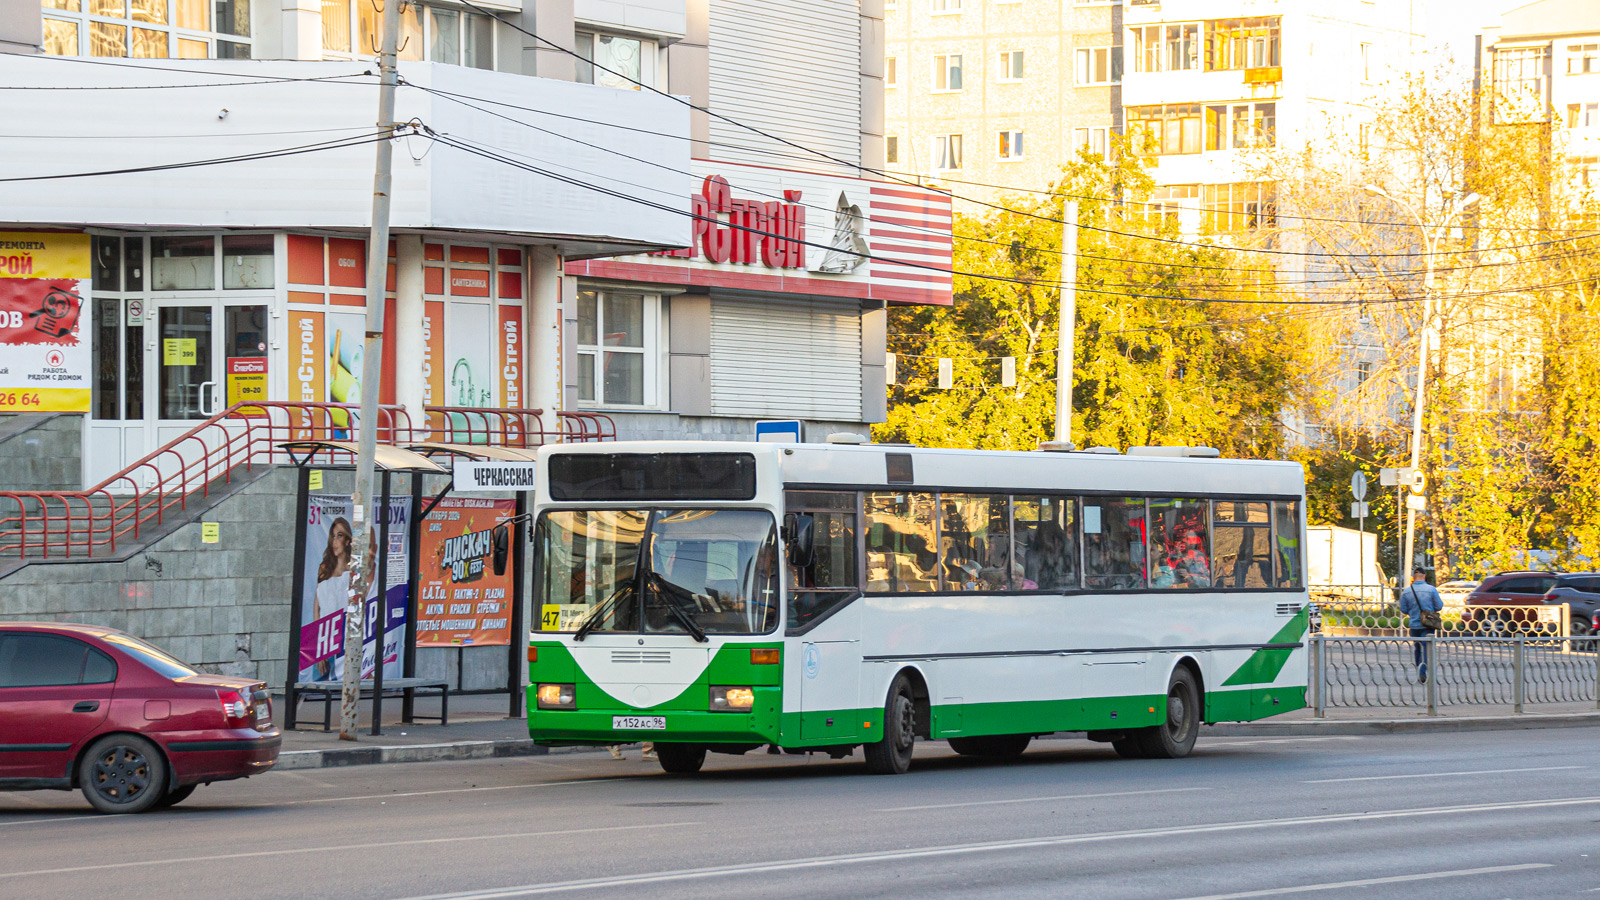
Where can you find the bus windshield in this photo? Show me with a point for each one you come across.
(704, 570)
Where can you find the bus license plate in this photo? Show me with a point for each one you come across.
(639, 723)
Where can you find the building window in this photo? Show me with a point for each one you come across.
(1241, 125)
(1366, 63)
(351, 30)
(1166, 48)
(1246, 206)
(1011, 145)
(148, 29)
(1173, 129)
(630, 61)
(1363, 372)
(947, 72)
(1364, 138)
(1011, 65)
(946, 152)
(942, 7)
(1091, 139)
(1583, 115)
(1582, 59)
(891, 71)
(1165, 203)
(1520, 71)
(1243, 44)
(891, 149)
(616, 341)
(1098, 65)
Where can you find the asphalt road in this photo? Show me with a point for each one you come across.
(1480, 815)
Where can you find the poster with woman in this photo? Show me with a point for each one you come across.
(330, 545)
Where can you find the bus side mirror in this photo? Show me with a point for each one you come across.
(500, 541)
(798, 535)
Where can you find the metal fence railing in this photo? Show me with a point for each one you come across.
(1344, 616)
(1368, 671)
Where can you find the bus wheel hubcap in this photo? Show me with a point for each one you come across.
(1177, 717)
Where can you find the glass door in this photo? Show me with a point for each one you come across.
(188, 380)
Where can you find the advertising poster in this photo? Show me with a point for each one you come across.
(460, 601)
(470, 378)
(327, 584)
(44, 334)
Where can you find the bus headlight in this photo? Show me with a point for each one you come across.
(732, 699)
(556, 696)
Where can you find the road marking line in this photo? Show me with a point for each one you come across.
(1442, 774)
(377, 844)
(470, 790)
(1039, 799)
(986, 847)
(1365, 882)
(1247, 743)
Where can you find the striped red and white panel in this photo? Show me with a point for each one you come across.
(910, 240)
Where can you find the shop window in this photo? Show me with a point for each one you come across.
(616, 347)
(1045, 543)
(901, 554)
(183, 263)
(148, 29)
(615, 61)
(1114, 543)
(246, 261)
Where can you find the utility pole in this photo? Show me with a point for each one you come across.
(1067, 320)
(366, 556)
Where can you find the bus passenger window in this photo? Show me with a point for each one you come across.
(1046, 544)
(901, 556)
(830, 580)
(1180, 553)
(1240, 544)
(1286, 536)
(973, 538)
(1113, 543)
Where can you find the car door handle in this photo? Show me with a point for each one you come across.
(86, 706)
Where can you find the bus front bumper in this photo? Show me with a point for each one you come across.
(599, 726)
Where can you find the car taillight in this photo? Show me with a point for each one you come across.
(1550, 596)
(234, 706)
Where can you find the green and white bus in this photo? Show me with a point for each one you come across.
(819, 597)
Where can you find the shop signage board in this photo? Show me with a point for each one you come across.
(460, 601)
(45, 362)
(493, 475)
(778, 431)
(769, 230)
(327, 585)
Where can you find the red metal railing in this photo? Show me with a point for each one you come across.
(43, 524)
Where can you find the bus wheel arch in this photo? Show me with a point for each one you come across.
(1193, 665)
(921, 697)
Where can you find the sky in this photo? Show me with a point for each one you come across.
(1454, 23)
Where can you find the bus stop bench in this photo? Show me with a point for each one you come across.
(328, 691)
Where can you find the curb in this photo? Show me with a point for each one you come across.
(366, 756)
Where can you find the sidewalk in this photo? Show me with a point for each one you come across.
(479, 729)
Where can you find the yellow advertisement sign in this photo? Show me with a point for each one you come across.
(247, 382)
(45, 363)
(179, 352)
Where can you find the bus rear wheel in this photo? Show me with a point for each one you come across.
(993, 746)
(1176, 738)
(891, 755)
(681, 759)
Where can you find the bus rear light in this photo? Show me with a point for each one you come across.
(766, 656)
(732, 699)
(556, 696)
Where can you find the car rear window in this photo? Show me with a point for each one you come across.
(154, 657)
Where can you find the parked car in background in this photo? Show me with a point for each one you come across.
(1484, 610)
(126, 723)
(1582, 591)
(1454, 593)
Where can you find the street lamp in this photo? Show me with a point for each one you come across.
(1430, 240)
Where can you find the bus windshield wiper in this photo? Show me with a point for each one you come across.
(599, 612)
(668, 593)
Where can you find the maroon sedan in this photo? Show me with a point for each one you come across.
(132, 727)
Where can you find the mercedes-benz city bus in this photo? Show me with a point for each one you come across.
(723, 597)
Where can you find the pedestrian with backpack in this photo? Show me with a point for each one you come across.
(1421, 603)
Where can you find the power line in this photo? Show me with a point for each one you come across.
(338, 144)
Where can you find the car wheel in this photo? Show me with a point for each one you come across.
(122, 773)
(681, 759)
(175, 796)
(994, 746)
(891, 755)
(1176, 738)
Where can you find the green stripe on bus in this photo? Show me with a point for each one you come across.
(1264, 665)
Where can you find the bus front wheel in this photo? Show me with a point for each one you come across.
(681, 759)
(1176, 738)
(891, 755)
